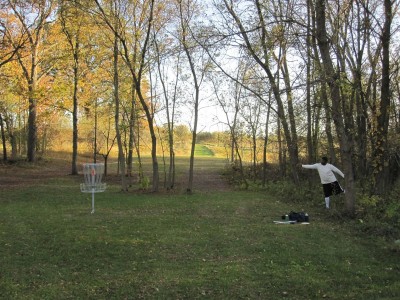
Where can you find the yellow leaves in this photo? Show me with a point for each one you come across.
(278, 32)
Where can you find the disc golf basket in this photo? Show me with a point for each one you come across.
(93, 174)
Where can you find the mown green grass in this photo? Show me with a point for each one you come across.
(202, 150)
(219, 245)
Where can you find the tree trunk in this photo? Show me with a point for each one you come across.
(131, 141)
(3, 138)
(12, 137)
(74, 169)
(171, 169)
(194, 133)
(121, 155)
(264, 177)
(191, 161)
(95, 133)
(239, 157)
(333, 80)
(150, 121)
(170, 181)
(139, 156)
(184, 28)
(328, 123)
(293, 147)
(324, 98)
(32, 126)
(282, 168)
(254, 150)
(361, 106)
(73, 38)
(310, 147)
(381, 156)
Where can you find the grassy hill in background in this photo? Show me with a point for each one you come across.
(203, 150)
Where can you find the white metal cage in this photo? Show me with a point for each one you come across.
(93, 174)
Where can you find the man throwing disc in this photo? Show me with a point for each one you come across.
(329, 182)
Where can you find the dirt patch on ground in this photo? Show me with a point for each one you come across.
(22, 174)
(207, 178)
(205, 181)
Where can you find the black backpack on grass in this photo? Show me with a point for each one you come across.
(298, 216)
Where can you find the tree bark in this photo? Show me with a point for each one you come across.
(266, 137)
(12, 136)
(3, 138)
(170, 113)
(121, 155)
(74, 168)
(333, 80)
(324, 98)
(311, 148)
(184, 32)
(73, 39)
(32, 126)
(131, 141)
(381, 149)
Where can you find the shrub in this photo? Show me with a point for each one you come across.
(380, 214)
(145, 183)
(289, 192)
(392, 209)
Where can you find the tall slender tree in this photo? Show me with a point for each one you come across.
(187, 9)
(381, 150)
(116, 85)
(71, 21)
(333, 80)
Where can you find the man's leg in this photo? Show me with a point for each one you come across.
(327, 193)
(327, 202)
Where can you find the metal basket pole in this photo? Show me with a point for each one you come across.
(92, 177)
(92, 212)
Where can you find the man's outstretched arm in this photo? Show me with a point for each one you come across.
(337, 171)
(314, 166)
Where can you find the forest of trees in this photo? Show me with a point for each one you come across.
(319, 77)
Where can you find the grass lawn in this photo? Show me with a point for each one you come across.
(203, 150)
(210, 245)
